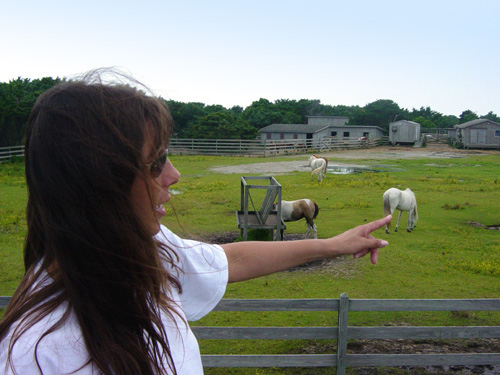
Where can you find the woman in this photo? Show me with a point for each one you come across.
(107, 289)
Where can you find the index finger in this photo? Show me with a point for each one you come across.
(374, 225)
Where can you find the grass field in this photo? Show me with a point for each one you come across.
(444, 257)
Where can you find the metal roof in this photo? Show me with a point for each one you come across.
(292, 128)
(307, 128)
(475, 122)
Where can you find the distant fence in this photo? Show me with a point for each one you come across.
(7, 153)
(343, 332)
(241, 147)
(268, 147)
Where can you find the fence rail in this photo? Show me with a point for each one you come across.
(240, 147)
(342, 333)
(9, 152)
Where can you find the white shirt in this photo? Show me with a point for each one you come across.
(203, 283)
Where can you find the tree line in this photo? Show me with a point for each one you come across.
(197, 120)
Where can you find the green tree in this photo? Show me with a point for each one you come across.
(221, 125)
(448, 121)
(467, 116)
(236, 110)
(491, 116)
(424, 123)
(16, 101)
(184, 114)
(378, 113)
(261, 113)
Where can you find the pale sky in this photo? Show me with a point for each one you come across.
(443, 54)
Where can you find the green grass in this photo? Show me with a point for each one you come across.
(444, 257)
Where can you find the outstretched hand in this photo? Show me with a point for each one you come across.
(359, 241)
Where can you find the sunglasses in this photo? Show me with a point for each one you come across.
(156, 167)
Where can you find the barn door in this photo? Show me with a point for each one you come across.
(478, 136)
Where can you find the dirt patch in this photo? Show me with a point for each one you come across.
(437, 151)
(343, 266)
(418, 347)
(475, 224)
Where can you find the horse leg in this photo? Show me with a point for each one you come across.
(409, 228)
(387, 225)
(397, 224)
(315, 229)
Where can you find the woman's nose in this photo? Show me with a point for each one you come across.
(169, 175)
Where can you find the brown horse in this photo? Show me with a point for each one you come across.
(302, 208)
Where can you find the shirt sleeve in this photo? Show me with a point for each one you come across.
(204, 275)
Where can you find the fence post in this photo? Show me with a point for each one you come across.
(342, 336)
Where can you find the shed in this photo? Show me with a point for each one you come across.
(404, 132)
(480, 133)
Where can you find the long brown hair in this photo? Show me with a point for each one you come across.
(83, 151)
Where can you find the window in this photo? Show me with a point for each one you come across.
(333, 134)
(497, 133)
(366, 134)
(282, 136)
(346, 134)
(268, 135)
(295, 136)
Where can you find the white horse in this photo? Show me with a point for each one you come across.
(318, 166)
(302, 208)
(395, 199)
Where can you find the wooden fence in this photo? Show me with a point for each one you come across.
(343, 332)
(239, 147)
(9, 152)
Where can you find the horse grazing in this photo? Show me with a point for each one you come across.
(318, 165)
(302, 208)
(402, 201)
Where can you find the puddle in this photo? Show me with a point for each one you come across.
(336, 169)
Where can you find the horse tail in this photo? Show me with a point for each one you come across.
(316, 210)
(416, 213)
(317, 170)
(387, 207)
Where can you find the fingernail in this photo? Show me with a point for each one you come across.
(383, 243)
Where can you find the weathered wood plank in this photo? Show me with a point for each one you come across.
(462, 359)
(278, 305)
(342, 341)
(288, 360)
(487, 304)
(265, 333)
(4, 301)
(415, 333)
